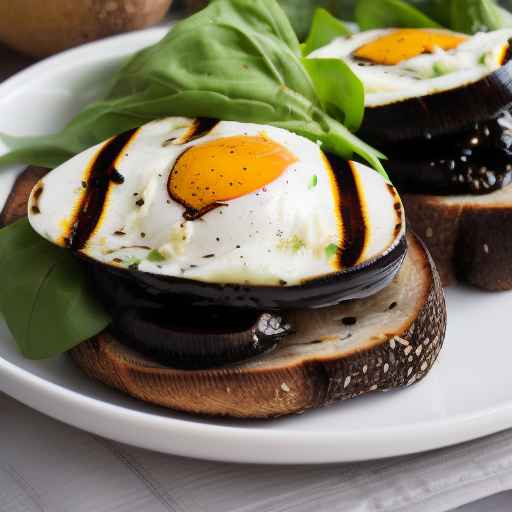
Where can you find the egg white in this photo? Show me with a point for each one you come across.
(424, 74)
(275, 235)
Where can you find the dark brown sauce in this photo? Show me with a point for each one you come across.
(202, 126)
(354, 224)
(35, 198)
(102, 175)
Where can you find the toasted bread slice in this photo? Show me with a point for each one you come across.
(469, 237)
(387, 341)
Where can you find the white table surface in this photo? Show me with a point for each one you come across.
(500, 503)
(46, 466)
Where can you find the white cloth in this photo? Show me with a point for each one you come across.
(46, 466)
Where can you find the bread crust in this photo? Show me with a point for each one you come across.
(470, 238)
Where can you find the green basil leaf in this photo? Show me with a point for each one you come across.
(324, 29)
(236, 60)
(300, 12)
(330, 77)
(471, 16)
(44, 297)
(372, 14)
(438, 10)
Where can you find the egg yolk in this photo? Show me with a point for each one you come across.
(208, 174)
(405, 44)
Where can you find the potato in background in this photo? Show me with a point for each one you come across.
(40, 28)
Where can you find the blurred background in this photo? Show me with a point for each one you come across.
(37, 29)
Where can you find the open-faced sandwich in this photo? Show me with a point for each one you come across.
(243, 269)
(437, 104)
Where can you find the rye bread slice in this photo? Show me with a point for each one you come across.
(469, 237)
(387, 341)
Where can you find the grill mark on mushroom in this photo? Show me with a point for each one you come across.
(355, 229)
(200, 127)
(35, 198)
(101, 175)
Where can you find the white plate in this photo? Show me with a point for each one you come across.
(467, 395)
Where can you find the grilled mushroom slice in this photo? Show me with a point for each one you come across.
(387, 341)
(200, 338)
(178, 334)
(444, 112)
(351, 283)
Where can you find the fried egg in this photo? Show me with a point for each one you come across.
(398, 64)
(219, 202)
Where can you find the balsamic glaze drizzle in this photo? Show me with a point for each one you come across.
(352, 215)
(202, 126)
(102, 174)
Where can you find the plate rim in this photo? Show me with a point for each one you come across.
(221, 442)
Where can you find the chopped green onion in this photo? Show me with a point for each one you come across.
(438, 69)
(132, 261)
(297, 244)
(314, 182)
(331, 250)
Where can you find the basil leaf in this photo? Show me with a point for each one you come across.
(324, 29)
(300, 12)
(438, 10)
(390, 13)
(471, 16)
(330, 76)
(236, 60)
(44, 297)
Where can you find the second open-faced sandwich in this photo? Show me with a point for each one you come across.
(437, 104)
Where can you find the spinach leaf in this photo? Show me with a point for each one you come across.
(234, 60)
(324, 29)
(390, 13)
(44, 297)
(330, 76)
